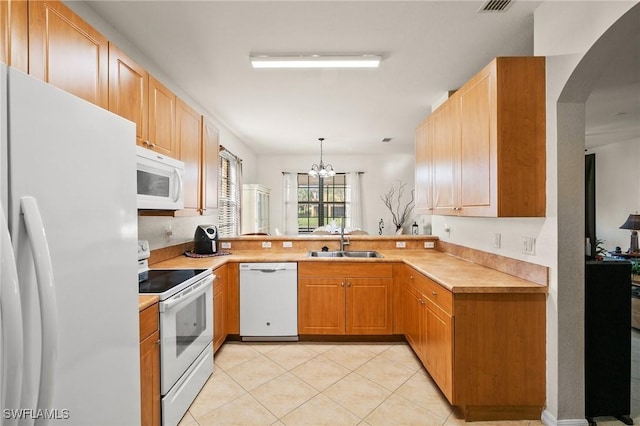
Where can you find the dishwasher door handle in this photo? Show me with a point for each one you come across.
(266, 271)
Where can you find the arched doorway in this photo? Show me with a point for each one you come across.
(571, 79)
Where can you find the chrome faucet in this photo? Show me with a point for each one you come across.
(343, 243)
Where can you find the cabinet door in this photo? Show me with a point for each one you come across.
(14, 30)
(414, 320)
(445, 158)
(219, 309)
(478, 170)
(150, 380)
(423, 168)
(67, 52)
(369, 306)
(129, 92)
(321, 306)
(162, 119)
(188, 141)
(438, 347)
(210, 164)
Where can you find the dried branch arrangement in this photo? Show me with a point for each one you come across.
(392, 199)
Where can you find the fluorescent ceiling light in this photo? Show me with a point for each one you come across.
(315, 61)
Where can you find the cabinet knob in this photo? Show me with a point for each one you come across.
(434, 293)
(421, 301)
(348, 284)
(145, 143)
(342, 284)
(411, 276)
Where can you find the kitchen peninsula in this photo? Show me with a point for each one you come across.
(478, 331)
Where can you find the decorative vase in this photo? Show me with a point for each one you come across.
(399, 230)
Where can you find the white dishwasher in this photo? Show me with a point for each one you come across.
(269, 301)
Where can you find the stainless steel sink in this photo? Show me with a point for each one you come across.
(364, 253)
(361, 254)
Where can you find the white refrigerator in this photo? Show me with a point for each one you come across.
(69, 348)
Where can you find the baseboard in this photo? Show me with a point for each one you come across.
(549, 420)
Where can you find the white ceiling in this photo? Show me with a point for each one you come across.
(428, 47)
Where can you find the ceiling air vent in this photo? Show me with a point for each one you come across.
(495, 5)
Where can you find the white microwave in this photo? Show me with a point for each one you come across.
(160, 181)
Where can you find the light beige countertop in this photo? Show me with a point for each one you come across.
(453, 273)
(144, 301)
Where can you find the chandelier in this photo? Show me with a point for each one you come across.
(321, 170)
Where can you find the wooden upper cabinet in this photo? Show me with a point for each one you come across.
(489, 148)
(477, 148)
(188, 124)
(210, 166)
(67, 52)
(14, 34)
(424, 167)
(162, 119)
(445, 154)
(129, 91)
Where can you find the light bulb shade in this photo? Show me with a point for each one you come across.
(314, 171)
(633, 222)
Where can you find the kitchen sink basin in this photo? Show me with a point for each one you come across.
(329, 254)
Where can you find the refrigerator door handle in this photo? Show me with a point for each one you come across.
(180, 185)
(47, 296)
(12, 330)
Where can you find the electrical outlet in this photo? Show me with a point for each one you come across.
(529, 246)
(287, 244)
(429, 244)
(401, 244)
(225, 245)
(497, 240)
(266, 244)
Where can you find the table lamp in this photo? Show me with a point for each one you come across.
(633, 223)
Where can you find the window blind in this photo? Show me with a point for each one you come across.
(230, 182)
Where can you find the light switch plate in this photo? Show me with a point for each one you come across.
(287, 244)
(225, 245)
(429, 244)
(529, 246)
(497, 240)
(266, 244)
(401, 244)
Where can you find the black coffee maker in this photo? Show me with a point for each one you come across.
(206, 239)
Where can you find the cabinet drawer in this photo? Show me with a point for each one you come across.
(148, 321)
(439, 295)
(433, 291)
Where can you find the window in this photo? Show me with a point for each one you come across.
(230, 183)
(322, 201)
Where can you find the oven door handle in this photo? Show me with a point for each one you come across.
(188, 294)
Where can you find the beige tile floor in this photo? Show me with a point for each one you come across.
(336, 384)
(321, 384)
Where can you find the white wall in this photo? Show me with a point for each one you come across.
(617, 191)
(153, 228)
(380, 171)
(566, 32)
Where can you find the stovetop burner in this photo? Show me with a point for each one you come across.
(160, 281)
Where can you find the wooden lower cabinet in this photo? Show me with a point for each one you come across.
(219, 307)
(486, 351)
(337, 298)
(150, 366)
